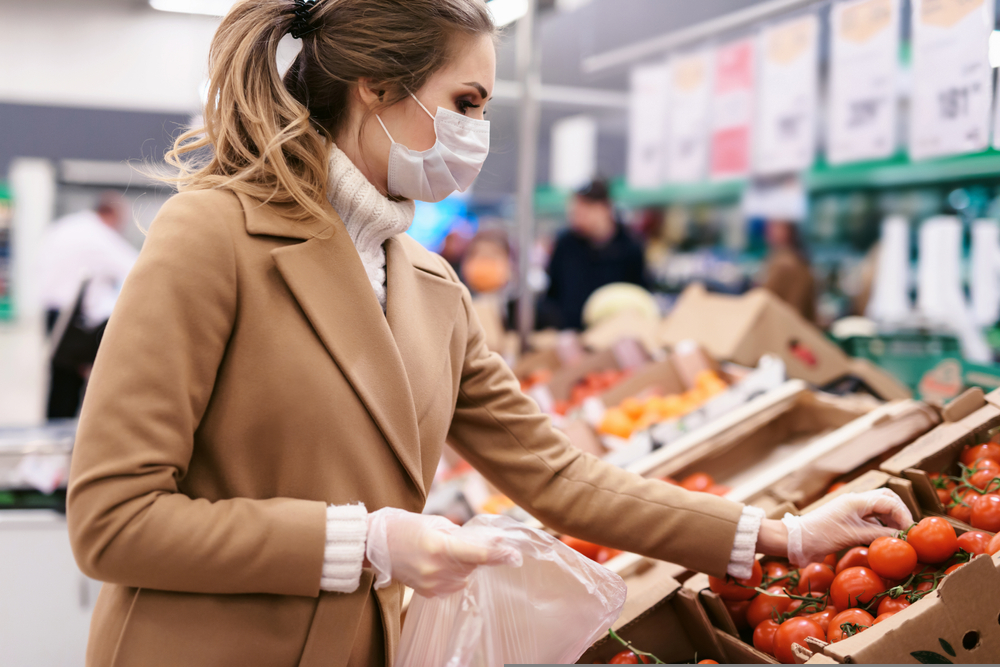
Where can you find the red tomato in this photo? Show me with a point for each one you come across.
(821, 603)
(994, 545)
(604, 554)
(989, 450)
(856, 557)
(934, 539)
(795, 631)
(738, 612)
(775, 569)
(737, 589)
(944, 495)
(835, 486)
(763, 636)
(963, 510)
(823, 617)
(699, 481)
(626, 658)
(768, 606)
(942, 481)
(953, 568)
(891, 558)
(856, 617)
(890, 605)
(974, 542)
(882, 617)
(983, 473)
(815, 578)
(708, 662)
(986, 513)
(830, 561)
(588, 549)
(855, 586)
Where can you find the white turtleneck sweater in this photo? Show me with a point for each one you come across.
(371, 219)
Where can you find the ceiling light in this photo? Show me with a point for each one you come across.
(507, 11)
(209, 7)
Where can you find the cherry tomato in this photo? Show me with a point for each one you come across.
(882, 617)
(994, 545)
(821, 603)
(944, 495)
(626, 658)
(962, 510)
(588, 549)
(767, 606)
(859, 617)
(974, 542)
(775, 569)
(890, 605)
(823, 617)
(738, 612)
(934, 539)
(699, 481)
(942, 481)
(763, 636)
(795, 631)
(815, 578)
(830, 561)
(708, 662)
(737, 589)
(986, 513)
(855, 586)
(891, 558)
(989, 450)
(984, 472)
(953, 568)
(856, 557)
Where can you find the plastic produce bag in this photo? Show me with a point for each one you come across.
(548, 610)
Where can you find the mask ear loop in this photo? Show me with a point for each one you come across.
(383, 128)
(422, 106)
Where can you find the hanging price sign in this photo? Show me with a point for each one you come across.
(732, 110)
(785, 127)
(687, 136)
(864, 60)
(647, 144)
(952, 78)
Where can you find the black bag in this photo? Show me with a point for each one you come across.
(75, 344)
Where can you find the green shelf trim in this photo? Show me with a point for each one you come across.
(4, 191)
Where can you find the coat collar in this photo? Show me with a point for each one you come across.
(394, 361)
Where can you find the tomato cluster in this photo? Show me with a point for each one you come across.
(843, 595)
(974, 495)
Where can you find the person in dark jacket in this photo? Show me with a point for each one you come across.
(595, 251)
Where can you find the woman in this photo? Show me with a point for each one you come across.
(271, 397)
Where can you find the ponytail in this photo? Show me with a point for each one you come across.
(270, 139)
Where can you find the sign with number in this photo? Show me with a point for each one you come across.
(785, 125)
(650, 89)
(687, 133)
(732, 110)
(864, 49)
(952, 78)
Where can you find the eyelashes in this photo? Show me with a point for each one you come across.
(465, 105)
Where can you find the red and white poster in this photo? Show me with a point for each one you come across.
(732, 110)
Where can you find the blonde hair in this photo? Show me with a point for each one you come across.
(270, 138)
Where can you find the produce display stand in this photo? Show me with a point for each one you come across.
(34, 465)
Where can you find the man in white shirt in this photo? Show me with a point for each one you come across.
(85, 247)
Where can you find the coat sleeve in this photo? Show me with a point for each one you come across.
(129, 522)
(502, 433)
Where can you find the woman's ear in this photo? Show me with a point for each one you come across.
(370, 92)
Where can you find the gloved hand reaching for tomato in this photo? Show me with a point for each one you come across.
(852, 519)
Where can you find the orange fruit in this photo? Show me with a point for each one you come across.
(616, 422)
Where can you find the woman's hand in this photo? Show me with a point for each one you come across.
(851, 520)
(423, 552)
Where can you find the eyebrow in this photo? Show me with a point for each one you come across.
(479, 87)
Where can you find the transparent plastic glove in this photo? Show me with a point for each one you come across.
(423, 552)
(849, 521)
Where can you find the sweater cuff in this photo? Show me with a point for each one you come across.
(745, 545)
(344, 555)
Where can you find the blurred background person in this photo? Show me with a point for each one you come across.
(786, 272)
(487, 270)
(83, 262)
(595, 251)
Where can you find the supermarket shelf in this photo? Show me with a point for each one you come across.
(894, 172)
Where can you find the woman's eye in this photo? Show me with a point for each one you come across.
(464, 106)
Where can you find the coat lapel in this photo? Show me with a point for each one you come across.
(421, 310)
(327, 278)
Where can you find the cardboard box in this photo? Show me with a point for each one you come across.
(626, 324)
(955, 624)
(743, 328)
(626, 354)
(966, 419)
(663, 618)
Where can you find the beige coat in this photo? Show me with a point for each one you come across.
(248, 377)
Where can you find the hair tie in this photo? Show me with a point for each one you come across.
(303, 14)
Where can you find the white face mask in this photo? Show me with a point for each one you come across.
(451, 164)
